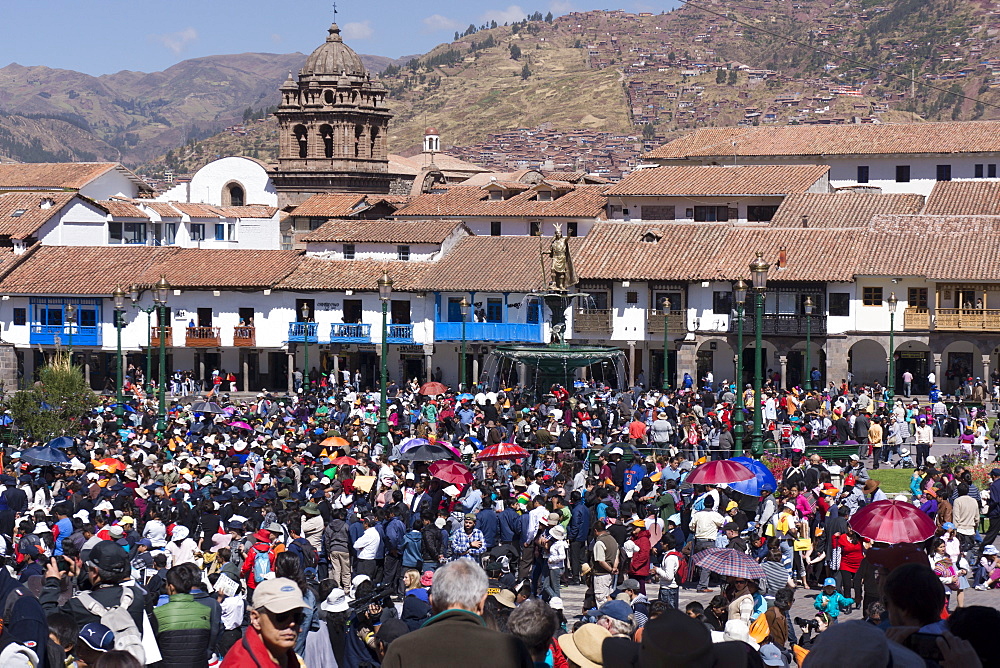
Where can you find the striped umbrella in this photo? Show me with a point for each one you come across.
(727, 561)
(502, 451)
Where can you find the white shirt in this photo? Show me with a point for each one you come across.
(367, 545)
(232, 612)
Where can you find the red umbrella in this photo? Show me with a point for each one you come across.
(716, 473)
(502, 451)
(344, 461)
(892, 522)
(451, 472)
(433, 388)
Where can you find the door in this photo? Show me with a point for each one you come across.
(705, 364)
(748, 368)
(205, 317)
(352, 311)
(246, 316)
(277, 362)
(413, 367)
(914, 361)
(399, 311)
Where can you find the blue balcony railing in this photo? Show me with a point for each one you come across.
(48, 335)
(302, 332)
(400, 334)
(499, 332)
(350, 333)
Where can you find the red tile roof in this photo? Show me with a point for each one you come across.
(41, 175)
(472, 201)
(386, 231)
(847, 209)
(198, 210)
(162, 209)
(331, 205)
(968, 198)
(121, 209)
(248, 211)
(493, 264)
(97, 270)
(32, 216)
(720, 181)
(317, 274)
(942, 248)
(831, 140)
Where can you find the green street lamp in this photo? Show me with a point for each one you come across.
(119, 299)
(464, 307)
(384, 293)
(70, 321)
(305, 338)
(161, 291)
(892, 345)
(148, 310)
(739, 428)
(758, 274)
(666, 340)
(809, 316)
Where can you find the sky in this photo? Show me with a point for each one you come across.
(106, 36)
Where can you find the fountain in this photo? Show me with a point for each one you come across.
(539, 366)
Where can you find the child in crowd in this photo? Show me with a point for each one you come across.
(831, 600)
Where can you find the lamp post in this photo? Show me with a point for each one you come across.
(891, 385)
(119, 298)
(758, 274)
(809, 313)
(161, 291)
(134, 296)
(70, 321)
(384, 293)
(305, 338)
(464, 307)
(739, 429)
(666, 340)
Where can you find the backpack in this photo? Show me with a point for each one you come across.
(307, 553)
(681, 576)
(261, 566)
(117, 618)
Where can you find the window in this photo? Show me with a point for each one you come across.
(315, 223)
(197, 231)
(170, 234)
(761, 214)
(631, 297)
(916, 297)
(231, 231)
(572, 228)
(535, 228)
(711, 214)
(544, 196)
(902, 173)
(20, 316)
(651, 212)
(688, 214)
(871, 296)
(722, 303)
(991, 171)
(403, 253)
(676, 300)
(352, 311)
(496, 195)
(979, 171)
(399, 310)
(86, 316)
(126, 233)
(494, 309)
(286, 242)
(862, 173)
(220, 231)
(626, 215)
(495, 228)
(944, 172)
(348, 251)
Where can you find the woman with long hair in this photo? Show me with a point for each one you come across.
(288, 565)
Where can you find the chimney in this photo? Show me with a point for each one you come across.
(782, 257)
(805, 220)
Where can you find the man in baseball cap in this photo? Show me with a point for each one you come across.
(275, 622)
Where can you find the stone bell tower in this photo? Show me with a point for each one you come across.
(332, 127)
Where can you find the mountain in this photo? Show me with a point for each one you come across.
(135, 116)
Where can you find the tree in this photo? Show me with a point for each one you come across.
(525, 72)
(55, 404)
(648, 131)
(732, 77)
(548, 17)
(720, 76)
(456, 36)
(515, 51)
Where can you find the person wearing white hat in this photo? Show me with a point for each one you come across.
(181, 547)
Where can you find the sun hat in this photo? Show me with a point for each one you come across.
(737, 629)
(506, 598)
(583, 646)
(558, 532)
(278, 595)
(336, 601)
(427, 579)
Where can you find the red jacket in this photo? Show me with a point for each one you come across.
(247, 569)
(249, 652)
(851, 554)
(640, 560)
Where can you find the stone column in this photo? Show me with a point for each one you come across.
(246, 372)
(475, 369)
(428, 360)
(291, 369)
(783, 362)
(986, 367)
(937, 369)
(631, 364)
(336, 368)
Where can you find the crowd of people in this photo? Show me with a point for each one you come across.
(282, 530)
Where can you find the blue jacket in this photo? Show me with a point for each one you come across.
(525, 524)
(412, 550)
(488, 522)
(380, 552)
(833, 603)
(354, 531)
(510, 525)
(579, 523)
(394, 532)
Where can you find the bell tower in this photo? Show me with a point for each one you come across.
(332, 127)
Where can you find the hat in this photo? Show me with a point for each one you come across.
(850, 481)
(553, 519)
(630, 585)
(144, 541)
(770, 655)
(558, 532)
(731, 526)
(995, 472)
(948, 526)
(991, 550)
(41, 527)
(310, 509)
(619, 610)
(641, 523)
(617, 451)
(31, 550)
(391, 629)
(583, 646)
(97, 637)
(585, 570)
(278, 595)
(274, 527)
(116, 532)
(789, 505)
(829, 582)
(108, 555)
(470, 516)
(737, 629)
(506, 598)
(855, 458)
(126, 520)
(427, 579)
(858, 643)
(556, 603)
(336, 601)
(931, 459)
(180, 532)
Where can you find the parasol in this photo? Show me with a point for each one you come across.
(763, 478)
(206, 407)
(44, 456)
(451, 472)
(344, 461)
(892, 522)
(335, 442)
(718, 472)
(109, 464)
(502, 451)
(239, 424)
(61, 442)
(432, 388)
(730, 562)
(428, 452)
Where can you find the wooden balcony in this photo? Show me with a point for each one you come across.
(202, 337)
(168, 333)
(592, 320)
(677, 322)
(783, 324)
(967, 319)
(916, 318)
(244, 337)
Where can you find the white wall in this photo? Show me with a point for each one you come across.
(111, 184)
(372, 251)
(682, 204)
(207, 183)
(80, 224)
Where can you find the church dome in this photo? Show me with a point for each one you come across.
(333, 57)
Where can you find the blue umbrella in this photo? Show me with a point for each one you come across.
(125, 407)
(475, 441)
(465, 396)
(61, 442)
(44, 456)
(763, 478)
(6, 420)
